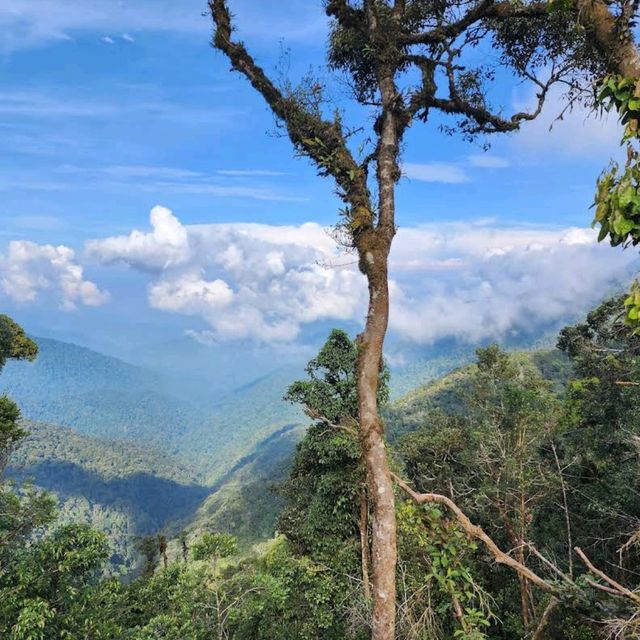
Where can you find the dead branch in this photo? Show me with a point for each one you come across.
(613, 584)
(545, 618)
(474, 531)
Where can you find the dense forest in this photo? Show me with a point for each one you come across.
(519, 512)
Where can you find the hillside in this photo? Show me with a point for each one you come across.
(101, 396)
(245, 501)
(120, 488)
(98, 395)
(218, 473)
(448, 391)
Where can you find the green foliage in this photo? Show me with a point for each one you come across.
(326, 484)
(491, 451)
(14, 343)
(436, 552)
(44, 587)
(214, 546)
(245, 501)
(617, 199)
(11, 431)
(621, 94)
(122, 489)
(601, 427)
(331, 391)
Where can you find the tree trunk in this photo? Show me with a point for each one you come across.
(374, 252)
(525, 595)
(365, 551)
(621, 53)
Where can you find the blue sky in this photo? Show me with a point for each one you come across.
(108, 110)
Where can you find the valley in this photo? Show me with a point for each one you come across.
(124, 453)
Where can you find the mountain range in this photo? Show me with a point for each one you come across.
(125, 449)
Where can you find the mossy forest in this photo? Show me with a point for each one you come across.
(378, 377)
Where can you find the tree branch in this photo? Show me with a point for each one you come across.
(321, 140)
(616, 586)
(474, 531)
(545, 619)
(485, 10)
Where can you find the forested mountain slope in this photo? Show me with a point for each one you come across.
(120, 488)
(123, 453)
(246, 501)
(447, 393)
(132, 459)
(98, 395)
(104, 397)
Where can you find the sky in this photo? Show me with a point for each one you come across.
(146, 195)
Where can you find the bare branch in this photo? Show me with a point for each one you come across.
(616, 586)
(540, 632)
(316, 415)
(474, 531)
(565, 504)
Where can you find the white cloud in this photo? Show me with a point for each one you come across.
(435, 172)
(35, 104)
(145, 171)
(29, 269)
(190, 294)
(128, 38)
(462, 280)
(159, 179)
(486, 161)
(245, 280)
(249, 173)
(165, 246)
(510, 281)
(107, 40)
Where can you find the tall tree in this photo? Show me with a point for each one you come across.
(383, 46)
(327, 511)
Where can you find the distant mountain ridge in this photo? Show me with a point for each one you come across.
(123, 451)
(104, 397)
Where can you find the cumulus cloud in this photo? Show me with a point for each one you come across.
(516, 286)
(462, 280)
(245, 280)
(166, 245)
(190, 294)
(29, 269)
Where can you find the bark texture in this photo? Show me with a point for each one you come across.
(617, 48)
(373, 257)
(365, 551)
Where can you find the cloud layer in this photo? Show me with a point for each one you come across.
(469, 281)
(29, 270)
(245, 280)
